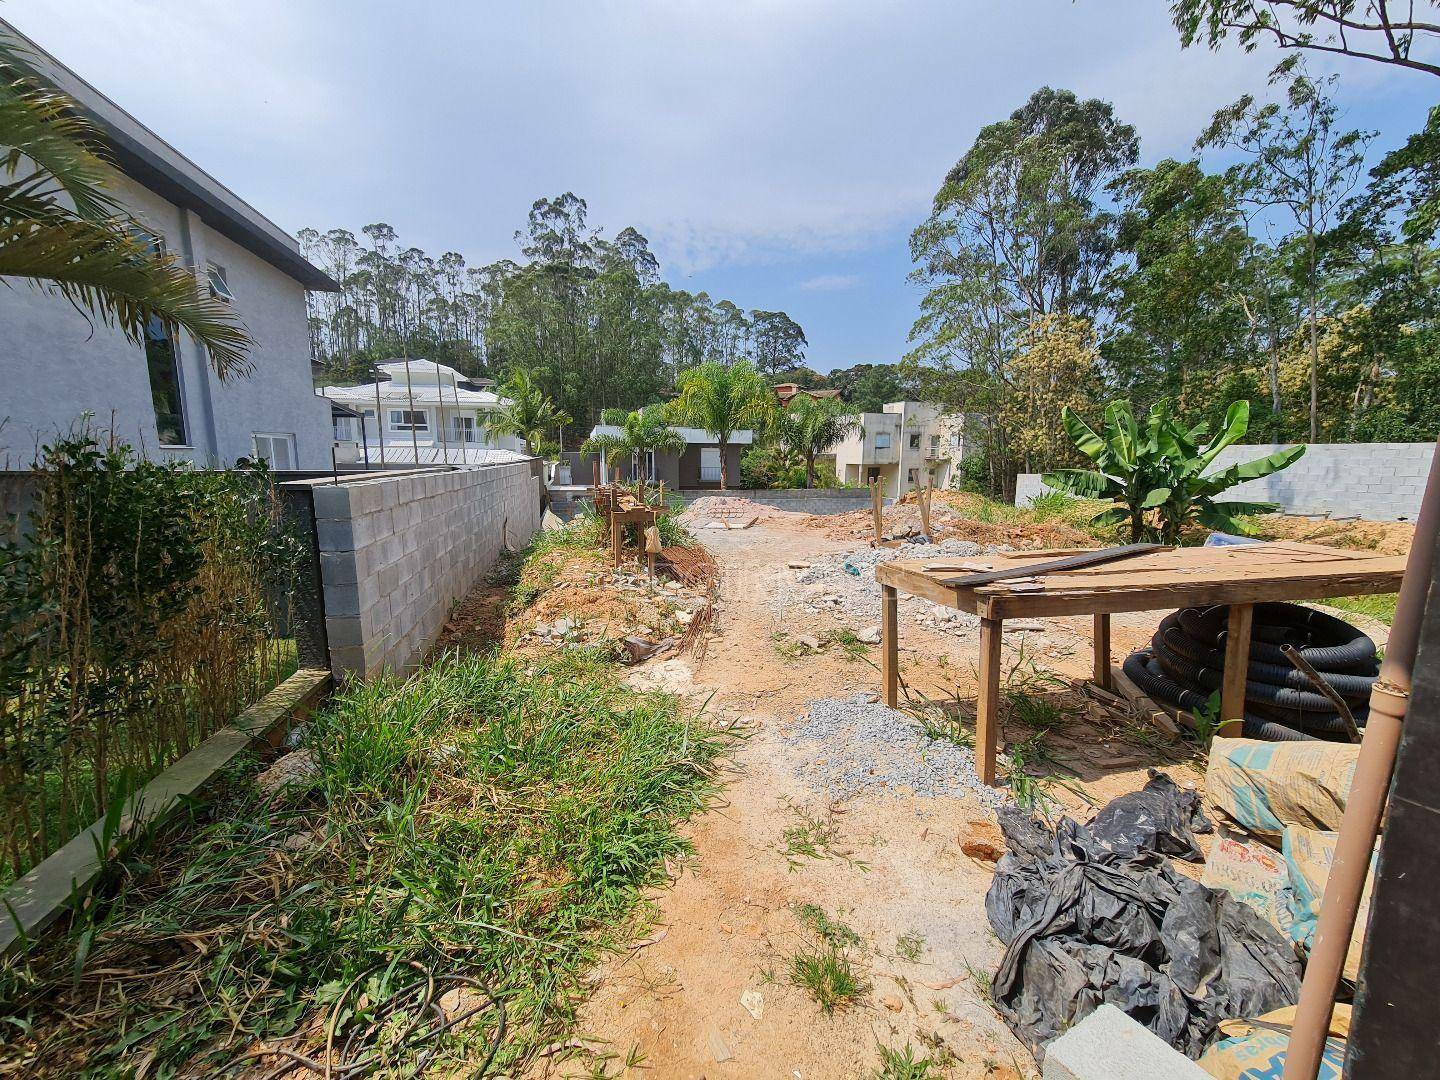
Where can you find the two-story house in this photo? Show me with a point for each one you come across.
(420, 412)
(908, 444)
(56, 365)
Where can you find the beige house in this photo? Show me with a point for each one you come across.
(906, 445)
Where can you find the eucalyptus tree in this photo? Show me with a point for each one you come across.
(722, 399)
(1386, 31)
(63, 231)
(1299, 163)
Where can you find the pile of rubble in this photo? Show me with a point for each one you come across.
(843, 584)
(728, 512)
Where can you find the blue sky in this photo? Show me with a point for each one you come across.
(775, 152)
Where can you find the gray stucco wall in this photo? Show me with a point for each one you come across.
(1376, 481)
(398, 551)
(56, 364)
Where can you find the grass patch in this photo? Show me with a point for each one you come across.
(844, 640)
(1376, 606)
(811, 836)
(830, 978)
(910, 947)
(904, 1065)
(831, 931)
(483, 818)
(825, 970)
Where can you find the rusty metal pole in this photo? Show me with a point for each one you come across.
(1366, 803)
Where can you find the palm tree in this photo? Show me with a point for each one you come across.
(722, 399)
(810, 426)
(65, 234)
(528, 414)
(642, 433)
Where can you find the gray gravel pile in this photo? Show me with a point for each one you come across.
(862, 746)
(844, 585)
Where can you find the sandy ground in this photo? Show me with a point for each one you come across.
(728, 924)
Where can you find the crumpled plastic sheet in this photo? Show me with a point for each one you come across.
(1096, 914)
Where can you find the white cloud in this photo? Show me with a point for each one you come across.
(753, 132)
(830, 282)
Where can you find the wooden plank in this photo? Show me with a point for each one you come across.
(1065, 565)
(987, 713)
(1197, 594)
(1102, 650)
(1237, 662)
(40, 896)
(877, 510)
(890, 644)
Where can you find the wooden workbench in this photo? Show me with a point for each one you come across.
(1169, 578)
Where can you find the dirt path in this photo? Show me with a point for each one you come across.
(889, 866)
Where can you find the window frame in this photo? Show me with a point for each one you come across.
(882, 440)
(219, 281)
(424, 414)
(288, 440)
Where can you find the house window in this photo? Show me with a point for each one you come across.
(955, 440)
(709, 464)
(409, 420)
(344, 428)
(367, 423)
(465, 429)
(934, 442)
(219, 283)
(910, 474)
(915, 441)
(882, 440)
(164, 368)
(276, 450)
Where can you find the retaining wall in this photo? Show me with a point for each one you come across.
(798, 500)
(398, 551)
(1377, 481)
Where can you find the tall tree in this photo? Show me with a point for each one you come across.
(778, 341)
(722, 400)
(810, 426)
(1299, 162)
(1386, 31)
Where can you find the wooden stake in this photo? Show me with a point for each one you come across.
(877, 510)
(1237, 669)
(987, 714)
(890, 644)
(922, 499)
(1102, 650)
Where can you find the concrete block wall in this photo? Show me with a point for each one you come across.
(1375, 481)
(398, 551)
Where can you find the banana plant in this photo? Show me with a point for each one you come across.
(1155, 473)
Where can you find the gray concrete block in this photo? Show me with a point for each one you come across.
(337, 568)
(1108, 1045)
(331, 501)
(335, 535)
(344, 630)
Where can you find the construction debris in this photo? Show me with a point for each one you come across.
(1095, 915)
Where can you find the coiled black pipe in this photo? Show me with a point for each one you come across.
(1185, 665)
(1141, 669)
(1353, 688)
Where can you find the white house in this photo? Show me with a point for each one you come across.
(906, 445)
(697, 467)
(420, 411)
(56, 365)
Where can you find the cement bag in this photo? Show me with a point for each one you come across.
(1308, 855)
(1265, 786)
(1255, 1049)
(1252, 873)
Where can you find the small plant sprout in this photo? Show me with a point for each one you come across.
(910, 947)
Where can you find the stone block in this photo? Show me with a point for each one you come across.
(335, 535)
(332, 502)
(1108, 1045)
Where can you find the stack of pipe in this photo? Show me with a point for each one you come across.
(1184, 666)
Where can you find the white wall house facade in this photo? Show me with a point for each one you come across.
(420, 412)
(56, 365)
(908, 444)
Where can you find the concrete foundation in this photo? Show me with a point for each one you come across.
(1108, 1045)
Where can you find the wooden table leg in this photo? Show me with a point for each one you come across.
(617, 538)
(890, 644)
(987, 715)
(1237, 664)
(1102, 650)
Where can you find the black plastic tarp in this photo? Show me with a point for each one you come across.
(1096, 914)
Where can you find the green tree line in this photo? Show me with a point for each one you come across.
(1059, 272)
(587, 317)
